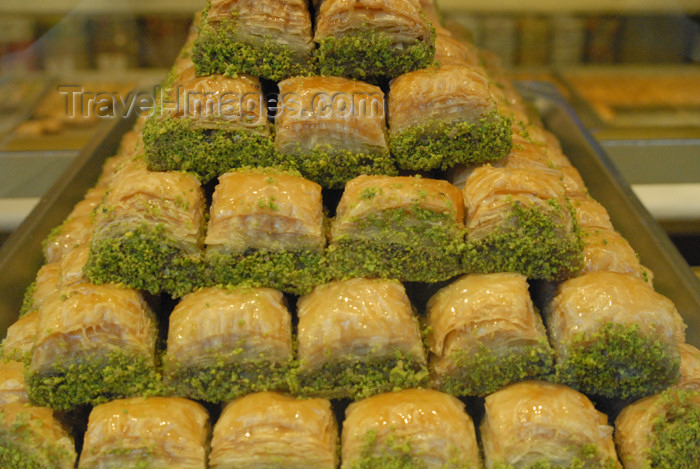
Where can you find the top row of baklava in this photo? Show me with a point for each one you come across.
(329, 128)
(363, 39)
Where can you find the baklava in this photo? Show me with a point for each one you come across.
(333, 128)
(155, 432)
(266, 38)
(440, 117)
(226, 342)
(93, 343)
(414, 428)
(275, 431)
(356, 338)
(519, 220)
(535, 424)
(266, 229)
(484, 334)
(614, 336)
(407, 228)
(372, 39)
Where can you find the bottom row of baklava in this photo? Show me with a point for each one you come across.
(526, 425)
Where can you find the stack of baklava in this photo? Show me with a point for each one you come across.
(341, 237)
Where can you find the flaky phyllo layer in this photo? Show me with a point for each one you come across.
(155, 432)
(524, 426)
(414, 428)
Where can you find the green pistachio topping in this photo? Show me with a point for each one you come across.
(178, 144)
(28, 301)
(413, 245)
(144, 258)
(94, 379)
(361, 377)
(444, 145)
(618, 362)
(482, 372)
(530, 242)
(370, 55)
(332, 167)
(395, 452)
(225, 49)
(224, 378)
(292, 271)
(675, 439)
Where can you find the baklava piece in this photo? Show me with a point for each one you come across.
(19, 341)
(613, 336)
(266, 38)
(149, 233)
(227, 342)
(519, 220)
(275, 431)
(407, 228)
(690, 367)
(373, 39)
(76, 230)
(154, 433)
(661, 431)
(32, 438)
(94, 343)
(414, 428)
(356, 338)
(333, 128)
(533, 425)
(209, 125)
(444, 116)
(484, 334)
(266, 230)
(13, 387)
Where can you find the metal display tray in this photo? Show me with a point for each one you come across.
(21, 256)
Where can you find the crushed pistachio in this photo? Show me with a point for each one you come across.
(618, 362)
(448, 144)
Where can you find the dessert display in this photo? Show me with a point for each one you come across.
(401, 242)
